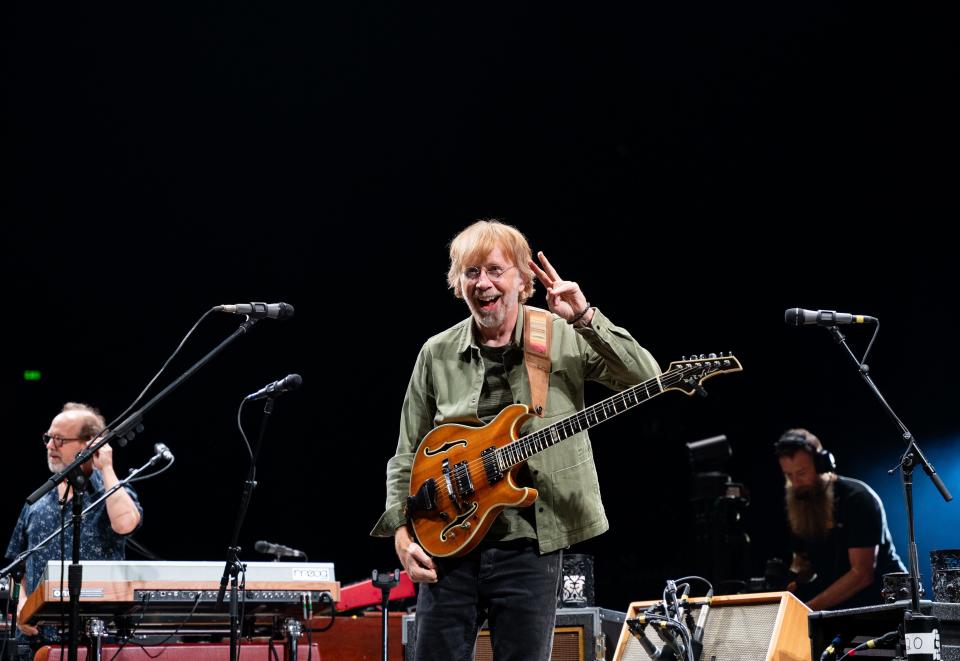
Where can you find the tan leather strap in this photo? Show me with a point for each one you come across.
(537, 334)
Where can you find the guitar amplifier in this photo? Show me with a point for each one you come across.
(768, 626)
(580, 634)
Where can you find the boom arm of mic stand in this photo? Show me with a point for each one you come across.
(136, 417)
(907, 436)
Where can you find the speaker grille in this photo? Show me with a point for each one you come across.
(567, 645)
(732, 633)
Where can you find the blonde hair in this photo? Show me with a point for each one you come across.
(481, 238)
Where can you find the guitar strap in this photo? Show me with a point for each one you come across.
(537, 334)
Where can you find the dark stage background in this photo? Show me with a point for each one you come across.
(696, 167)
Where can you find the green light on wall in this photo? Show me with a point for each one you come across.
(31, 375)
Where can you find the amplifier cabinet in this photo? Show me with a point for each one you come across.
(581, 634)
(770, 626)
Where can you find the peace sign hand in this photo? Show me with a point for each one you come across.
(564, 297)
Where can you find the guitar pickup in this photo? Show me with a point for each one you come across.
(491, 466)
(461, 476)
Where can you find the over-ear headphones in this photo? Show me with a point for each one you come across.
(792, 441)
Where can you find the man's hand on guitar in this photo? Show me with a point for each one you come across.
(414, 559)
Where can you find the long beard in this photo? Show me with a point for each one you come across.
(810, 512)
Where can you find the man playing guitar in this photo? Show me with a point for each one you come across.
(468, 374)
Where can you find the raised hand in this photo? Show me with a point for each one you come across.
(564, 297)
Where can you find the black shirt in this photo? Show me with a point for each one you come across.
(859, 521)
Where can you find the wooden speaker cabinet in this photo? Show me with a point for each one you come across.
(769, 626)
(581, 634)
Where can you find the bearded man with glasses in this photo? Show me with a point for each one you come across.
(470, 372)
(102, 535)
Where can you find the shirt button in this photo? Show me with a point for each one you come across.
(541, 509)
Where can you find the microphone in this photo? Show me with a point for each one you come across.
(286, 384)
(801, 317)
(697, 643)
(259, 310)
(163, 451)
(278, 550)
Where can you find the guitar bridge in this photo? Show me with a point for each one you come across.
(448, 481)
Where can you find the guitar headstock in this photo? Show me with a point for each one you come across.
(687, 375)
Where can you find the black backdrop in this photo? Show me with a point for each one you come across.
(697, 168)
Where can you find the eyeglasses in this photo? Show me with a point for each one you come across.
(493, 272)
(58, 442)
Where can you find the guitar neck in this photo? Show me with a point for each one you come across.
(525, 447)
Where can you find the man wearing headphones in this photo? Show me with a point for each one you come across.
(840, 540)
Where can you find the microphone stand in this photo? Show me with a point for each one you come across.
(14, 574)
(233, 566)
(386, 582)
(908, 462)
(78, 482)
(124, 431)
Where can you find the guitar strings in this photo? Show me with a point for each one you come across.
(525, 443)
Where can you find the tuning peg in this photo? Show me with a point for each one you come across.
(701, 391)
(713, 355)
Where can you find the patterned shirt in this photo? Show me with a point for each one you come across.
(98, 541)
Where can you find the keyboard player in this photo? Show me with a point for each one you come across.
(102, 535)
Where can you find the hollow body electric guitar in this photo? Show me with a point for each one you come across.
(462, 477)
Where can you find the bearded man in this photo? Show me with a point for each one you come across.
(840, 541)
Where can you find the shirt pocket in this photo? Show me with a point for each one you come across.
(565, 396)
(575, 496)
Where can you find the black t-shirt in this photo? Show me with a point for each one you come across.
(859, 521)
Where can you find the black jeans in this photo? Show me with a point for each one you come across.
(510, 584)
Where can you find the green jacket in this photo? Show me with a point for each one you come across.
(445, 387)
